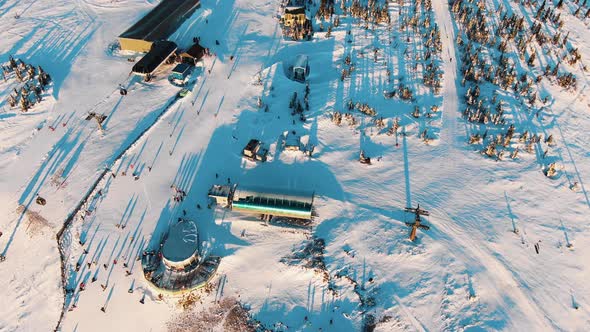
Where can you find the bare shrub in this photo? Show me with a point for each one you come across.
(227, 314)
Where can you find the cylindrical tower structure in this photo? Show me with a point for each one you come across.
(181, 248)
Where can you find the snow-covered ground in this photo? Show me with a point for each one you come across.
(469, 271)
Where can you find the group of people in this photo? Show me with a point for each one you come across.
(179, 194)
(25, 73)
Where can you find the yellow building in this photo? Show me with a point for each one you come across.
(294, 17)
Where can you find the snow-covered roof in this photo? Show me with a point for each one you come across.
(292, 139)
(159, 52)
(182, 242)
(295, 4)
(220, 191)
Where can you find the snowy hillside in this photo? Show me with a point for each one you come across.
(502, 171)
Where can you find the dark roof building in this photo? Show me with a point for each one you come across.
(159, 52)
(158, 24)
(193, 54)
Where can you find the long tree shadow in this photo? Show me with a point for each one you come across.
(55, 158)
(223, 15)
(298, 318)
(407, 172)
(56, 50)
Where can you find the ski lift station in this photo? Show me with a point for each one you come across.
(300, 68)
(176, 265)
(264, 202)
(157, 25)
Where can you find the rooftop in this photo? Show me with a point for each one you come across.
(196, 51)
(295, 4)
(292, 139)
(162, 21)
(301, 61)
(220, 191)
(252, 144)
(154, 58)
(295, 10)
(182, 68)
(254, 192)
(182, 242)
(296, 204)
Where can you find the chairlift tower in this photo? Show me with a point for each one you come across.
(99, 119)
(417, 221)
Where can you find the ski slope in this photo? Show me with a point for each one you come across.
(470, 271)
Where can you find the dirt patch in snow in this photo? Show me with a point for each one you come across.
(35, 222)
(225, 315)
